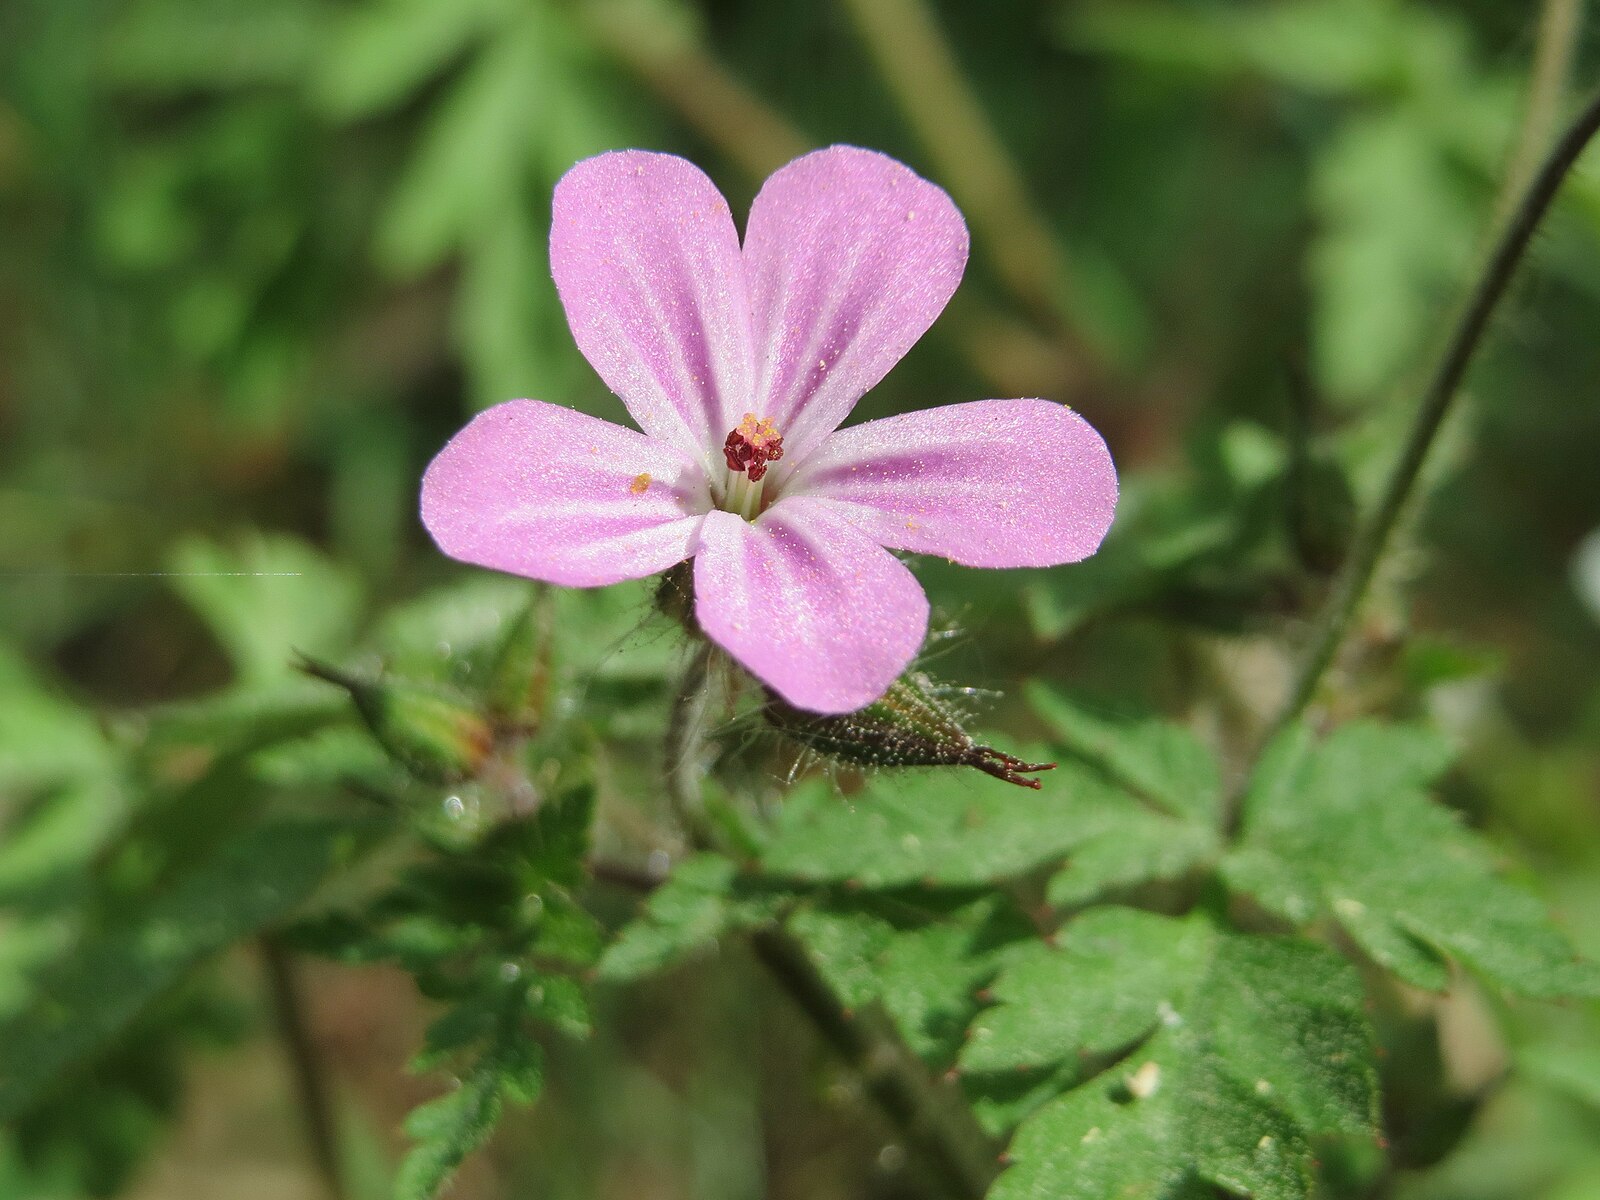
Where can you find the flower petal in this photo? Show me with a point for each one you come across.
(851, 255)
(994, 483)
(647, 261)
(806, 604)
(540, 490)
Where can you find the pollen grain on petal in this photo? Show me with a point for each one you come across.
(640, 484)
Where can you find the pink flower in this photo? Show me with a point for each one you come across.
(739, 364)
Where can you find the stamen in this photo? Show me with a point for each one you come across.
(750, 447)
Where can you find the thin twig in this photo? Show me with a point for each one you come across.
(310, 1083)
(1373, 537)
(931, 1116)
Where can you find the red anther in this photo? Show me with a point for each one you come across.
(753, 444)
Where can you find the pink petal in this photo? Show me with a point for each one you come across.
(994, 483)
(647, 261)
(851, 256)
(808, 605)
(553, 494)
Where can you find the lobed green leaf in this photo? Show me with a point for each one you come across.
(1205, 1057)
(1345, 831)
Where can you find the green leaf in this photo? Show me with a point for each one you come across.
(381, 53)
(61, 790)
(45, 738)
(1163, 822)
(1397, 221)
(236, 722)
(945, 827)
(266, 597)
(552, 845)
(1342, 47)
(451, 1127)
(508, 1067)
(922, 957)
(1139, 804)
(180, 45)
(507, 320)
(701, 901)
(1345, 831)
(1228, 1055)
(469, 166)
(1165, 531)
(1150, 758)
(85, 1000)
(450, 633)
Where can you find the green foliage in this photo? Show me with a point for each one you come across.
(520, 107)
(91, 1138)
(1344, 831)
(1206, 1056)
(258, 260)
(701, 901)
(943, 829)
(1250, 517)
(1136, 803)
(1383, 264)
(444, 1131)
(88, 998)
(922, 956)
(487, 926)
(267, 599)
(63, 772)
(1162, 823)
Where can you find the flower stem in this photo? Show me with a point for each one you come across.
(1373, 537)
(930, 1115)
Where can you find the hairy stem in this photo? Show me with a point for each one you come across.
(310, 1083)
(1373, 537)
(929, 1114)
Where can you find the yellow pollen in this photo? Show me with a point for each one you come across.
(640, 483)
(760, 432)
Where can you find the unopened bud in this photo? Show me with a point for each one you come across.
(437, 739)
(910, 726)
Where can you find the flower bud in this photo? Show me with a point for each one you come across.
(911, 725)
(437, 739)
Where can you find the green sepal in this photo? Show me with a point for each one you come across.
(436, 738)
(910, 725)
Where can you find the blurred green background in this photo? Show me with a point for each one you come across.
(260, 258)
